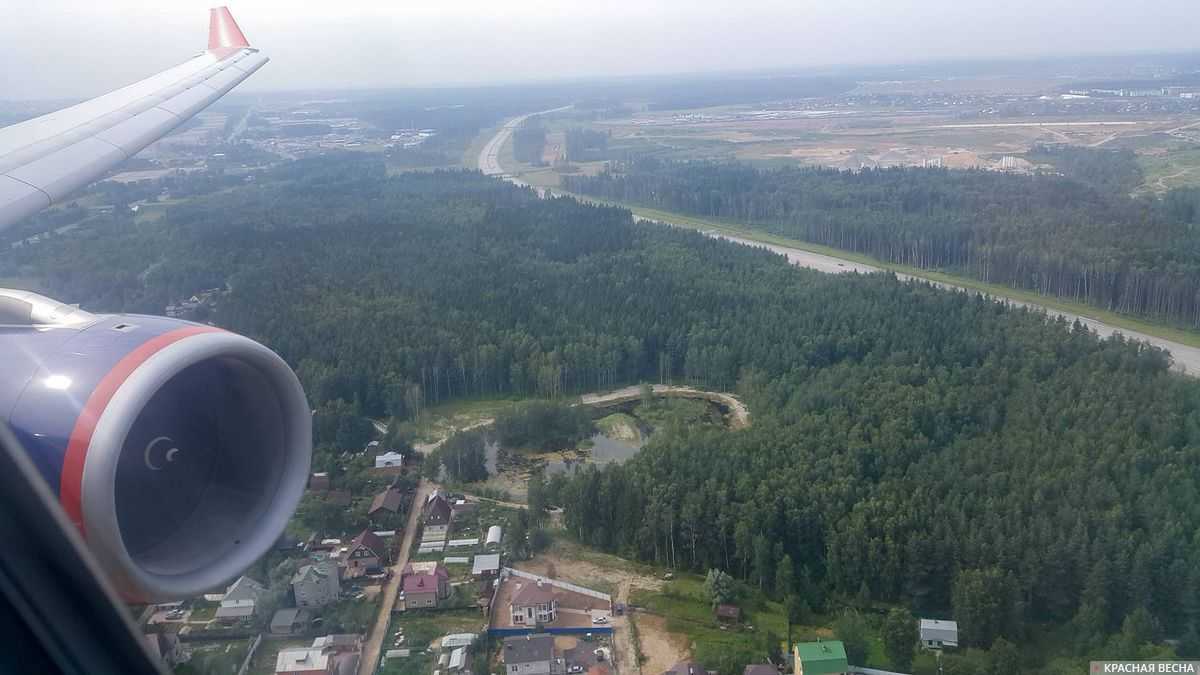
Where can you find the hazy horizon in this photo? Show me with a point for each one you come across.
(83, 51)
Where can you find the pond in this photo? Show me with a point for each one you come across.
(603, 451)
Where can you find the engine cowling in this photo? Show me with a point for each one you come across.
(179, 450)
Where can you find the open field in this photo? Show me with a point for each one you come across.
(853, 138)
(1171, 169)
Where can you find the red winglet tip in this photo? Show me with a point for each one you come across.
(223, 31)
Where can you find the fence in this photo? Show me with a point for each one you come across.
(872, 671)
(250, 654)
(560, 584)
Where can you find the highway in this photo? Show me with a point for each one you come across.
(1185, 359)
(489, 157)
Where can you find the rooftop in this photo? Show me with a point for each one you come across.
(301, 659)
(686, 668)
(939, 625)
(315, 571)
(390, 499)
(244, 588)
(486, 563)
(533, 593)
(370, 540)
(823, 657)
(528, 648)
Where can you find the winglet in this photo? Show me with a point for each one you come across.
(223, 31)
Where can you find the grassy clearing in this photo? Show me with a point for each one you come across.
(264, 659)
(420, 628)
(686, 607)
(439, 421)
(568, 549)
(1183, 336)
(203, 611)
(1175, 168)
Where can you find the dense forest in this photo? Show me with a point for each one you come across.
(586, 145)
(909, 445)
(528, 141)
(1085, 241)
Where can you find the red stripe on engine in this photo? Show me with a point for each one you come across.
(70, 487)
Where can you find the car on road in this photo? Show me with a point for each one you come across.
(600, 620)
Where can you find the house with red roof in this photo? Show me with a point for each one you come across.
(424, 585)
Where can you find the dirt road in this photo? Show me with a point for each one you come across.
(372, 648)
(624, 653)
(738, 411)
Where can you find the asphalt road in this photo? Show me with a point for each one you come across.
(1185, 359)
(489, 157)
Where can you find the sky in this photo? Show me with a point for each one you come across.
(77, 48)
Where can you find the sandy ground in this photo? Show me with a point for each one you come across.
(738, 411)
(662, 648)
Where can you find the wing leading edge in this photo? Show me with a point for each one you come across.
(45, 159)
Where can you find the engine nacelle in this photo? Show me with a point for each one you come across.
(179, 450)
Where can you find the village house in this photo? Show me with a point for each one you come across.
(823, 657)
(486, 566)
(437, 510)
(328, 655)
(289, 620)
(936, 634)
(533, 603)
(425, 585)
(528, 654)
(367, 554)
(728, 613)
(316, 585)
(240, 601)
(390, 500)
(389, 460)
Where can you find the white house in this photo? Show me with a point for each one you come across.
(388, 459)
(240, 600)
(534, 602)
(936, 634)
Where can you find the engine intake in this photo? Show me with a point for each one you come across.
(179, 450)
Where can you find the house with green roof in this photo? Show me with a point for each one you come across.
(823, 657)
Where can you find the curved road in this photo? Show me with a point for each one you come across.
(1185, 359)
(489, 157)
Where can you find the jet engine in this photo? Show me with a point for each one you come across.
(179, 450)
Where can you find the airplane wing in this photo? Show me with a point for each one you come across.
(44, 160)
